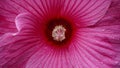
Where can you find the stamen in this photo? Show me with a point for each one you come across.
(58, 33)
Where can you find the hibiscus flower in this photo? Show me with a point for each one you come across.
(59, 34)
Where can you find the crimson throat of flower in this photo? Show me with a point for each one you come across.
(58, 31)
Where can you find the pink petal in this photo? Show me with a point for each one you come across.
(17, 48)
(87, 12)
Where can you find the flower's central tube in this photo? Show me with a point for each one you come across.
(58, 33)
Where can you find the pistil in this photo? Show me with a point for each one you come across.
(58, 33)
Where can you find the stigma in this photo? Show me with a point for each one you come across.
(58, 33)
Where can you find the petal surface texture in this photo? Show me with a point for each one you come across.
(92, 38)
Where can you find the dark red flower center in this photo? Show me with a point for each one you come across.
(58, 31)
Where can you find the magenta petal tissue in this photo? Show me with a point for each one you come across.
(59, 33)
